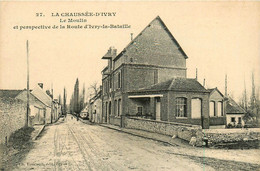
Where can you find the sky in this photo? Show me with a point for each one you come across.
(218, 37)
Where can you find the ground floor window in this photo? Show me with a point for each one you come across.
(212, 108)
(181, 107)
(119, 107)
(115, 107)
(139, 110)
(196, 108)
(220, 107)
(233, 119)
(239, 120)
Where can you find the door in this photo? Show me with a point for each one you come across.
(106, 113)
(158, 109)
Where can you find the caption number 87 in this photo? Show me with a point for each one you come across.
(39, 14)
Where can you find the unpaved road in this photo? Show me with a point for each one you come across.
(73, 145)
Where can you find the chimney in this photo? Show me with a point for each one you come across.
(113, 51)
(40, 85)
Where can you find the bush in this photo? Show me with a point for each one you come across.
(20, 137)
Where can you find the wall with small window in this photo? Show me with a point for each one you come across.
(235, 119)
(216, 104)
(189, 107)
(216, 109)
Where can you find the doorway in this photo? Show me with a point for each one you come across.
(158, 109)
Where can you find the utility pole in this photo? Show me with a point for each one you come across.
(28, 87)
(226, 85)
(51, 102)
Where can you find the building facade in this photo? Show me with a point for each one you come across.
(95, 108)
(142, 80)
(217, 109)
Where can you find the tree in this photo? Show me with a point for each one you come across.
(82, 98)
(94, 88)
(60, 101)
(251, 107)
(72, 104)
(64, 108)
(76, 97)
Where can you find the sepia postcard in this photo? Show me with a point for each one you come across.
(134, 85)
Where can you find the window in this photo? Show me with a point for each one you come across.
(181, 107)
(155, 77)
(196, 108)
(110, 82)
(119, 80)
(220, 109)
(239, 120)
(212, 108)
(119, 107)
(115, 107)
(233, 119)
(140, 110)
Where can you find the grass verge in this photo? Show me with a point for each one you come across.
(18, 146)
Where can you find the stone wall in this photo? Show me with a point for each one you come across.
(216, 136)
(187, 131)
(13, 117)
(115, 120)
(182, 131)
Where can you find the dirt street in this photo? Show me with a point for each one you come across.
(73, 145)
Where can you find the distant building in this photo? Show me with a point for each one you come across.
(234, 113)
(95, 108)
(40, 104)
(84, 114)
(148, 77)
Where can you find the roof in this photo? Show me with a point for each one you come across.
(97, 96)
(233, 108)
(9, 93)
(140, 34)
(215, 89)
(177, 84)
(41, 95)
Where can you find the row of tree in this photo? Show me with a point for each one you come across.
(251, 106)
(77, 100)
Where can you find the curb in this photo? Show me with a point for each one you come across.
(37, 135)
(120, 130)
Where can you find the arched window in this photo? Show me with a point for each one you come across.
(109, 108)
(115, 107)
(119, 107)
(220, 109)
(181, 107)
(196, 108)
(212, 108)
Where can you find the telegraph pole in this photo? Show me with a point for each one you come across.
(28, 88)
(52, 111)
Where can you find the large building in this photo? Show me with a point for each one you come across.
(148, 78)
